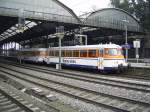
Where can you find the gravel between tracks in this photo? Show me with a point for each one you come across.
(75, 103)
(138, 96)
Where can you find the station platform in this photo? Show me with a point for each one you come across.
(140, 65)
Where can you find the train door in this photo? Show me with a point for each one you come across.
(100, 59)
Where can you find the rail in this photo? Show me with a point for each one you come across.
(65, 88)
(19, 101)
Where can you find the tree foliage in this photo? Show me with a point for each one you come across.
(139, 8)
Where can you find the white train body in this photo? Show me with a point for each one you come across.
(33, 54)
(101, 57)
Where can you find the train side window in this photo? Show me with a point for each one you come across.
(83, 53)
(28, 53)
(76, 53)
(57, 53)
(68, 53)
(42, 53)
(101, 52)
(106, 52)
(35, 53)
(25, 53)
(31, 53)
(63, 53)
(51, 53)
(92, 53)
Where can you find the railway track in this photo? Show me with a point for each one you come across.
(127, 84)
(13, 100)
(133, 76)
(105, 100)
(76, 72)
(143, 77)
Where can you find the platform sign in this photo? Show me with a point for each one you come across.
(136, 44)
(126, 46)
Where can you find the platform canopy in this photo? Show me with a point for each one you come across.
(41, 17)
(45, 15)
(51, 10)
(113, 18)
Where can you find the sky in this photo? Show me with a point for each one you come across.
(83, 6)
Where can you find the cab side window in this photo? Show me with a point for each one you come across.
(101, 52)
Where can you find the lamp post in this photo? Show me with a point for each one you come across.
(126, 38)
(60, 35)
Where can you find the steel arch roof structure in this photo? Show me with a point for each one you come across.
(113, 18)
(50, 10)
(44, 15)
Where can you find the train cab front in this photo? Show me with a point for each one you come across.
(114, 60)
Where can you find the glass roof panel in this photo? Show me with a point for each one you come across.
(14, 29)
(9, 31)
(13, 33)
(31, 24)
(6, 33)
(26, 22)
(1, 36)
(25, 28)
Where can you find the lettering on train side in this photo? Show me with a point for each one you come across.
(69, 61)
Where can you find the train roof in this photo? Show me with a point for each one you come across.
(76, 47)
(89, 46)
(33, 49)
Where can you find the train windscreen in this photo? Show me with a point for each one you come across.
(113, 52)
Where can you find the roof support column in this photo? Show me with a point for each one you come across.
(12, 44)
(15, 46)
(5, 48)
(47, 45)
(1, 50)
(19, 55)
